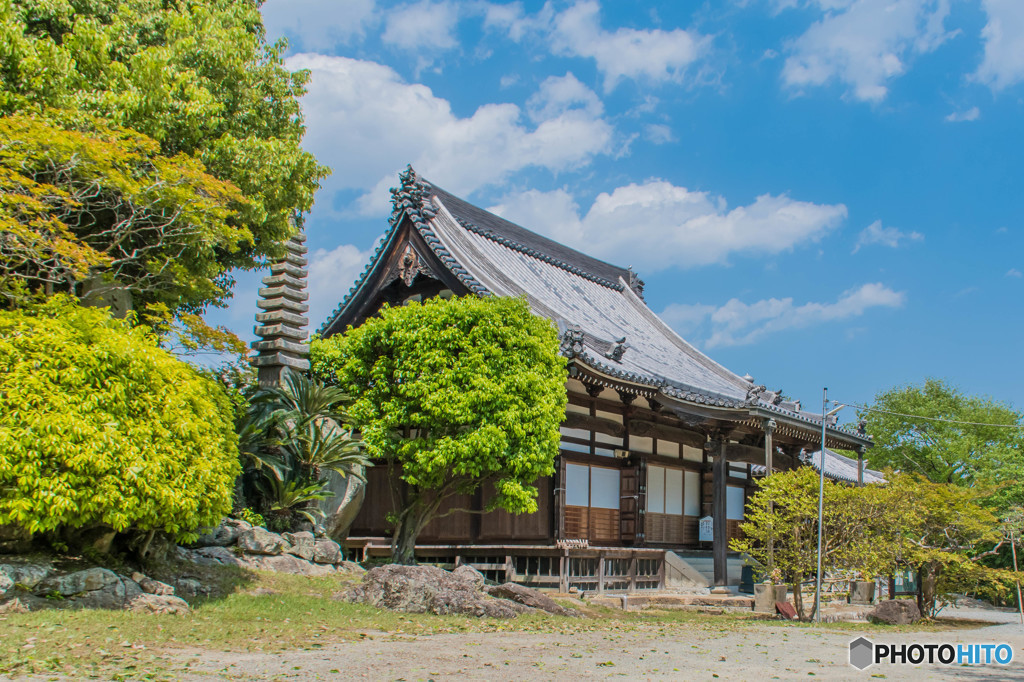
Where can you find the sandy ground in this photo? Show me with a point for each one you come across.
(747, 653)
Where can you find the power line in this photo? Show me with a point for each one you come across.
(934, 419)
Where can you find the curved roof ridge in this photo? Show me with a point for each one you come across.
(495, 227)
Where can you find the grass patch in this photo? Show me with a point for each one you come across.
(269, 612)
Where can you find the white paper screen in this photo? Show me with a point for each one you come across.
(673, 491)
(734, 503)
(604, 488)
(691, 498)
(577, 485)
(656, 489)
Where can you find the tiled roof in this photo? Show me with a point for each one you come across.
(491, 255)
(842, 468)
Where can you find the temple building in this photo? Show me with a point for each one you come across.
(657, 436)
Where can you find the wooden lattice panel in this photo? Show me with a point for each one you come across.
(576, 525)
(604, 525)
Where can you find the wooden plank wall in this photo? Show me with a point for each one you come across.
(457, 527)
(600, 526)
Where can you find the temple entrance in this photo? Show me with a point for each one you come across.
(673, 505)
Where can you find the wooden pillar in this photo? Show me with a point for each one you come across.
(600, 572)
(860, 465)
(720, 545)
(769, 450)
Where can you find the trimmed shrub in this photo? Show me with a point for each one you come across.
(99, 427)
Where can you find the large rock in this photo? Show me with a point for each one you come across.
(342, 507)
(150, 586)
(895, 612)
(27, 575)
(89, 580)
(470, 576)
(327, 552)
(287, 563)
(531, 598)
(214, 556)
(427, 589)
(6, 583)
(224, 535)
(259, 540)
(190, 587)
(157, 603)
(302, 544)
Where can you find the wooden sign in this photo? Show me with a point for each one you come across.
(707, 529)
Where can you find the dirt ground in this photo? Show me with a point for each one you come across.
(650, 652)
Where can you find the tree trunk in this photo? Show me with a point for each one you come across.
(927, 581)
(403, 543)
(798, 596)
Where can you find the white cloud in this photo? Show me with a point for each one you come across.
(654, 54)
(514, 21)
(972, 114)
(560, 94)
(309, 26)
(1003, 63)
(423, 25)
(657, 225)
(865, 43)
(367, 123)
(659, 133)
(331, 273)
(1014, 272)
(738, 323)
(886, 236)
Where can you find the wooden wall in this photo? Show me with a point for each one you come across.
(458, 526)
(599, 526)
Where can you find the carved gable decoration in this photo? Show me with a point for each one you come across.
(408, 266)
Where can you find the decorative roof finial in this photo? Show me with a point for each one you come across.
(635, 283)
(617, 350)
(572, 342)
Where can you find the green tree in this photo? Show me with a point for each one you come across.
(936, 529)
(946, 535)
(452, 394)
(963, 454)
(205, 94)
(783, 515)
(101, 430)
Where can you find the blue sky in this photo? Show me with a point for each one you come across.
(817, 192)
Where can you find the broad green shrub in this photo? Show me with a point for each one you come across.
(99, 427)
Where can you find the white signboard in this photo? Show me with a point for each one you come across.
(707, 529)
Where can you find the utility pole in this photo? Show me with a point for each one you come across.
(821, 503)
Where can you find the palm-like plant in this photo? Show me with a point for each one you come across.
(321, 445)
(291, 435)
(294, 496)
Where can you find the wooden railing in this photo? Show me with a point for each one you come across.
(589, 569)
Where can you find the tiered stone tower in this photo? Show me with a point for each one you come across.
(281, 324)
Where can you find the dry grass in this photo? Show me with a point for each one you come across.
(266, 612)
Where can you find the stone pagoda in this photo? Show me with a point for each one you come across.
(281, 322)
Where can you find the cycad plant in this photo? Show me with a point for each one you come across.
(291, 436)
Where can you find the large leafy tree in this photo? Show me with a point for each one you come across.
(212, 110)
(916, 430)
(452, 394)
(103, 431)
